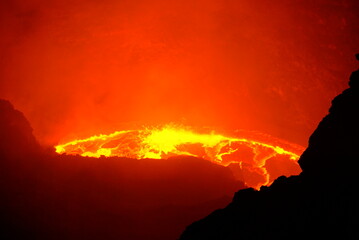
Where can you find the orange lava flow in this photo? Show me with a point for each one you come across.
(173, 140)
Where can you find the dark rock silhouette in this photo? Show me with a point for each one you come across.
(49, 196)
(320, 203)
(16, 132)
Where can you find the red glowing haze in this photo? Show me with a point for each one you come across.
(79, 68)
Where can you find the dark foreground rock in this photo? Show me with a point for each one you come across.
(320, 203)
(46, 196)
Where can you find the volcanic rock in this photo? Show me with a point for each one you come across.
(15, 132)
(45, 195)
(320, 203)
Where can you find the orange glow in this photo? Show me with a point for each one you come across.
(89, 74)
(78, 69)
(171, 140)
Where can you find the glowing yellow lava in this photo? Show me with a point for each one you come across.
(171, 140)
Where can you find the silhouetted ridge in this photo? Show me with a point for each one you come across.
(320, 203)
(15, 132)
(354, 77)
(333, 147)
(44, 195)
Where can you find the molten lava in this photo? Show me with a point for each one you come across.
(248, 154)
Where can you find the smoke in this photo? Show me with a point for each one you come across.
(79, 68)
